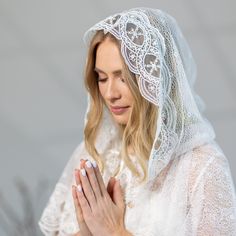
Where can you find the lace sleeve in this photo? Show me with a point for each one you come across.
(59, 217)
(212, 208)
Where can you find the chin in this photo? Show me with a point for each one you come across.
(120, 121)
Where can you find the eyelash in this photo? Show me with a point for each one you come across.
(104, 79)
(122, 79)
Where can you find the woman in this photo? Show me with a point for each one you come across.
(145, 127)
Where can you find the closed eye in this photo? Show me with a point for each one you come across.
(102, 80)
(122, 79)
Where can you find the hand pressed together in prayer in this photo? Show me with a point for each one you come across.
(99, 210)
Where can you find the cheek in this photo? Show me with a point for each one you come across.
(101, 90)
(128, 94)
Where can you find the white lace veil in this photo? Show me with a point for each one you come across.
(157, 53)
(154, 49)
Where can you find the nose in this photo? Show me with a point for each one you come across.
(112, 90)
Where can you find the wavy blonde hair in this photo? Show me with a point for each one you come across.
(138, 133)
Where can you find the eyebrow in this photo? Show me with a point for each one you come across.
(116, 72)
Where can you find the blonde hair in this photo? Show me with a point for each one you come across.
(138, 133)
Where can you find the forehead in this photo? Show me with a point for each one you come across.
(108, 57)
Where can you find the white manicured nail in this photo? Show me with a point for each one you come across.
(79, 188)
(94, 163)
(88, 164)
(83, 172)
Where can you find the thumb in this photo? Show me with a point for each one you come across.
(110, 186)
(118, 196)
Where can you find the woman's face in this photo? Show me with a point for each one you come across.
(112, 85)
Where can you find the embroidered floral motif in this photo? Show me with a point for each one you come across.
(154, 66)
(135, 33)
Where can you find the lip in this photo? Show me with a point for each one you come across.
(118, 110)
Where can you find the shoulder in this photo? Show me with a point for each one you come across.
(208, 156)
(59, 214)
(80, 152)
(201, 157)
(198, 160)
(208, 168)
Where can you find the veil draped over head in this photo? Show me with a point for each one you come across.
(155, 50)
(200, 198)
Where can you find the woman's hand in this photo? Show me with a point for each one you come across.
(103, 214)
(84, 230)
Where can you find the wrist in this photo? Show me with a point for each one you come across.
(127, 233)
(122, 232)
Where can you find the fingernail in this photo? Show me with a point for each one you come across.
(79, 188)
(88, 164)
(94, 163)
(83, 172)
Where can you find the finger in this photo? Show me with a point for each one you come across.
(82, 163)
(110, 186)
(99, 178)
(87, 189)
(78, 210)
(118, 195)
(93, 179)
(77, 177)
(86, 210)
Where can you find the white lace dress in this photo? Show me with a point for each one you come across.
(194, 195)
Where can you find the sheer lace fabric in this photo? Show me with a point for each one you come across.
(155, 50)
(193, 195)
(189, 190)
